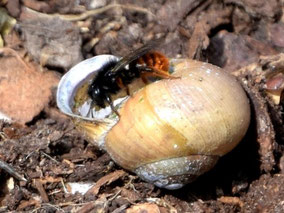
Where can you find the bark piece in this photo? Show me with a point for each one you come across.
(106, 180)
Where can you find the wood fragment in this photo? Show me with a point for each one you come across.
(253, 78)
(87, 208)
(199, 41)
(41, 190)
(265, 131)
(28, 203)
(50, 179)
(105, 180)
(144, 207)
(231, 200)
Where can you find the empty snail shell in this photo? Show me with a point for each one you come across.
(170, 131)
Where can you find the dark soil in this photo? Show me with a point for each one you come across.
(49, 153)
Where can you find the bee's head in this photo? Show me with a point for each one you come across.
(110, 77)
(96, 95)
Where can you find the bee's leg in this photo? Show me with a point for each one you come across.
(90, 112)
(162, 73)
(122, 86)
(147, 71)
(127, 90)
(144, 78)
(152, 71)
(108, 99)
(144, 73)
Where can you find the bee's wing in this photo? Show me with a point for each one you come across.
(136, 54)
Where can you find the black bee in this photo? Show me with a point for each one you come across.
(116, 75)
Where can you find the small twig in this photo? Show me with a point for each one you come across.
(94, 12)
(64, 187)
(130, 184)
(11, 171)
(15, 53)
(114, 196)
(55, 192)
(49, 157)
(29, 155)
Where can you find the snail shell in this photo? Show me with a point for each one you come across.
(173, 130)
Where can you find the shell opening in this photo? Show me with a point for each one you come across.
(72, 98)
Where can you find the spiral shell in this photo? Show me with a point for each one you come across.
(173, 130)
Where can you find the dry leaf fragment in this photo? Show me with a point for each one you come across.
(24, 91)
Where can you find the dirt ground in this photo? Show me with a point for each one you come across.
(43, 156)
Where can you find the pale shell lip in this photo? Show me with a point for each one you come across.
(5, 117)
(74, 78)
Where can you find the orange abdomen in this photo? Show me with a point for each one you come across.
(156, 60)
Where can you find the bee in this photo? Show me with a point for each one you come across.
(116, 75)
